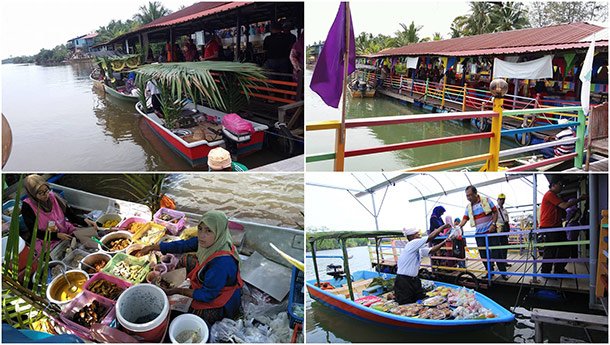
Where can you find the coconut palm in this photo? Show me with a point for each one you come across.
(148, 13)
(208, 80)
(509, 16)
(437, 36)
(408, 34)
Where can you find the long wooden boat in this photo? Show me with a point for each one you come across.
(194, 147)
(338, 302)
(113, 92)
(369, 93)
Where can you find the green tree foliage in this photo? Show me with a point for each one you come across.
(408, 34)
(153, 10)
(552, 13)
(489, 17)
(334, 244)
(367, 43)
(53, 56)
(114, 29)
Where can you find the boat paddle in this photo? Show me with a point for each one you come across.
(296, 263)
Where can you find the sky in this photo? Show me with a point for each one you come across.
(26, 26)
(337, 210)
(383, 17)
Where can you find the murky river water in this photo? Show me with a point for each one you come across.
(325, 325)
(60, 123)
(368, 137)
(274, 199)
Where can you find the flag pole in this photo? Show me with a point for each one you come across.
(340, 144)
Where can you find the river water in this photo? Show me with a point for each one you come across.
(325, 325)
(367, 137)
(60, 123)
(273, 199)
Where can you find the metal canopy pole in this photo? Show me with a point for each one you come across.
(237, 51)
(315, 261)
(535, 224)
(348, 274)
(375, 214)
(594, 213)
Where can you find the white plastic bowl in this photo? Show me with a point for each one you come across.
(111, 236)
(188, 322)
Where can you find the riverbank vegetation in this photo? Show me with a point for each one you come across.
(488, 17)
(331, 243)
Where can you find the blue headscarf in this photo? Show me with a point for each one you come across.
(438, 211)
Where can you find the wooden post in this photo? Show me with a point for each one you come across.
(237, 51)
(315, 261)
(494, 142)
(601, 284)
(580, 139)
(340, 143)
(464, 97)
(443, 98)
(426, 90)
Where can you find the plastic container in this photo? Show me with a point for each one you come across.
(59, 285)
(132, 248)
(78, 303)
(141, 235)
(161, 268)
(188, 322)
(73, 259)
(130, 260)
(170, 261)
(109, 217)
(24, 250)
(174, 228)
(152, 277)
(112, 279)
(296, 298)
(126, 223)
(113, 236)
(7, 212)
(144, 301)
(93, 258)
(50, 267)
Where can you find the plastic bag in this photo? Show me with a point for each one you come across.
(257, 304)
(240, 331)
(236, 124)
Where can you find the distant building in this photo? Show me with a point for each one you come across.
(81, 44)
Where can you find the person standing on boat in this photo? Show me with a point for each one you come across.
(214, 271)
(53, 213)
(552, 209)
(503, 225)
(482, 215)
(407, 286)
(436, 221)
(277, 48)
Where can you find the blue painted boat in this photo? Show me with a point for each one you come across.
(346, 306)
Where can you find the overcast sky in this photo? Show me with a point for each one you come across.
(383, 17)
(29, 25)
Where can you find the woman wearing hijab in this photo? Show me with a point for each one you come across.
(215, 280)
(436, 221)
(49, 207)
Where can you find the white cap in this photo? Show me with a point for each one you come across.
(410, 231)
(219, 159)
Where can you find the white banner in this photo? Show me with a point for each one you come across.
(412, 62)
(535, 69)
(585, 78)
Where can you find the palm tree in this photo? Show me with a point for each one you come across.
(408, 34)
(148, 13)
(437, 36)
(509, 16)
(479, 20)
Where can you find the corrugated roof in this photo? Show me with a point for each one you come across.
(91, 35)
(198, 10)
(557, 37)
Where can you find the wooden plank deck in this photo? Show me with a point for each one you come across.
(572, 285)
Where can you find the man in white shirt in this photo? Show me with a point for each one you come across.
(407, 286)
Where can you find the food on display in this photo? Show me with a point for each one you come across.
(135, 227)
(128, 272)
(89, 314)
(152, 235)
(97, 266)
(439, 291)
(76, 259)
(118, 244)
(433, 301)
(168, 218)
(110, 223)
(106, 289)
(410, 310)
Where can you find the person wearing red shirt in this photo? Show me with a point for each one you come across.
(212, 49)
(552, 210)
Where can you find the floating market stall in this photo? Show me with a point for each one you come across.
(368, 295)
(110, 292)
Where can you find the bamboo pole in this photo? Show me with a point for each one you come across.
(340, 143)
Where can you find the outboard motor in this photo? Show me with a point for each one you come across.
(335, 271)
(235, 130)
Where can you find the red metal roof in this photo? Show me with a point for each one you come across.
(198, 10)
(557, 37)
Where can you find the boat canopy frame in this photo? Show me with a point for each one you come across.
(342, 237)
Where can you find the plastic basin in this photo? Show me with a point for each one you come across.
(188, 322)
(143, 310)
(92, 259)
(57, 291)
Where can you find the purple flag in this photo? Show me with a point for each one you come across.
(327, 79)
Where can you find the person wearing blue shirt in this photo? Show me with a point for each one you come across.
(215, 280)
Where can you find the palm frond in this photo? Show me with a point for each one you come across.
(198, 78)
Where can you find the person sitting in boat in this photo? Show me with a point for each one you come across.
(214, 271)
(560, 150)
(53, 213)
(407, 286)
(130, 84)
